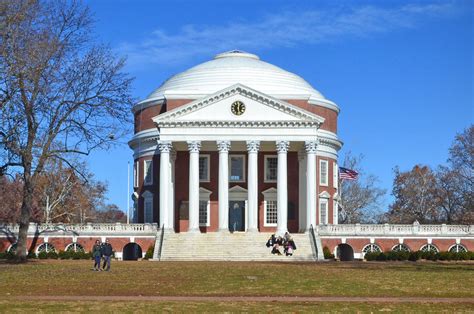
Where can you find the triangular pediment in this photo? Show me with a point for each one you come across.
(216, 110)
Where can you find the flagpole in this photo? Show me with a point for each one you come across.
(128, 192)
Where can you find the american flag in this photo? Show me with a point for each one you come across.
(347, 174)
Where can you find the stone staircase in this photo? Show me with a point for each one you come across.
(237, 246)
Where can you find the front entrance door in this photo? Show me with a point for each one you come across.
(237, 216)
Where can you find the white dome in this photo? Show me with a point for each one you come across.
(234, 67)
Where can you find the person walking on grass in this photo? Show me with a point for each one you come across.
(107, 252)
(96, 255)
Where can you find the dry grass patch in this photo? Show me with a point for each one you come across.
(395, 279)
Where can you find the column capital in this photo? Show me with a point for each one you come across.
(194, 146)
(253, 146)
(311, 146)
(282, 146)
(165, 146)
(223, 146)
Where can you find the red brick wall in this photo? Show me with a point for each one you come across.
(143, 117)
(153, 188)
(175, 103)
(330, 116)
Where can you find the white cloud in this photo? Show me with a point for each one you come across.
(286, 29)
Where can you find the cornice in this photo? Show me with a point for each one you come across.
(241, 124)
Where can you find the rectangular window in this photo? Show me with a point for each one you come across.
(204, 168)
(335, 175)
(237, 168)
(323, 172)
(135, 174)
(271, 213)
(148, 208)
(323, 211)
(204, 213)
(148, 172)
(271, 168)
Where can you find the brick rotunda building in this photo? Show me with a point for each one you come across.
(236, 144)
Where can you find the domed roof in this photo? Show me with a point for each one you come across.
(234, 67)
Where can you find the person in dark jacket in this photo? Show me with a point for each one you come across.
(107, 252)
(97, 254)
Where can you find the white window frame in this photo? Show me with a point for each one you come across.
(325, 201)
(135, 173)
(148, 198)
(326, 177)
(335, 175)
(243, 167)
(205, 196)
(265, 170)
(208, 158)
(269, 195)
(147, 164)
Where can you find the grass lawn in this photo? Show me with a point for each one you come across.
(355, 279)
(187, 307)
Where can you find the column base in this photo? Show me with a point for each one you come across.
(223, 230)
(194, 231)
(280, 233)
(252, 230)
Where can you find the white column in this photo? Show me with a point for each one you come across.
(165, 148)
(302, 191)
(171, 190)
(223, 147)
(193, 148)
(282, 188)
(252, 149)
(311, 147)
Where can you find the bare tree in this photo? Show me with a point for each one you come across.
(60, 93)
(455, 182)
(415, 193)
(360, 199)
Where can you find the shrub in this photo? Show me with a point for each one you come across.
(381, 257)
(43, 255)
(65, 254)
(149, 252)
(52, 255)
(7, 255)
(371, 256)
(327, 253)
(32, 255)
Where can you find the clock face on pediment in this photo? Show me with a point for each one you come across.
(237, 108)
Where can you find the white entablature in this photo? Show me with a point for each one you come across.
(211, 118)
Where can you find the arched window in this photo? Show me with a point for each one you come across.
(74, 247)
(429, 248)
(371, 248)
(12, 248)
(45, 247)
(401, 248)
(457, 248)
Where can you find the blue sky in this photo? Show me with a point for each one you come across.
(401, 72)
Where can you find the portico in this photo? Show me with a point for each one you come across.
(267, 126)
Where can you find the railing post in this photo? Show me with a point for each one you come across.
(444, 229)
(357, 228)
(386, 228)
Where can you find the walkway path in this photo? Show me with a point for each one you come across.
(244, 299)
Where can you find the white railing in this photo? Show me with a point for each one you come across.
(85, 229)
(395, 230)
